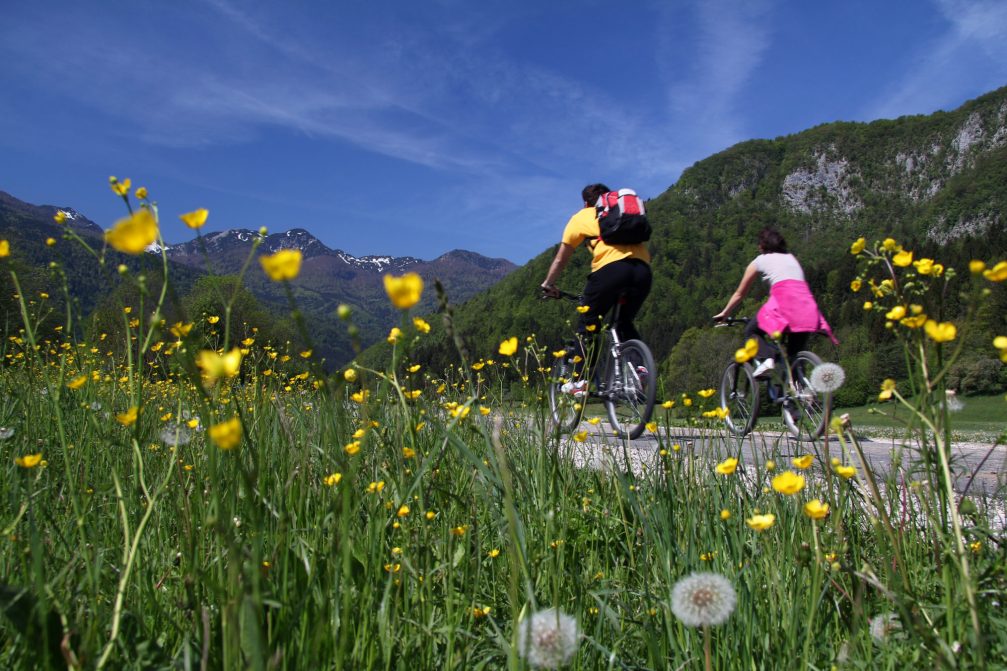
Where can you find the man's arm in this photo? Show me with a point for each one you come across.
(559, 262)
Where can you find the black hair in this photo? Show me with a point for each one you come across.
(592, 192)
(771, 241)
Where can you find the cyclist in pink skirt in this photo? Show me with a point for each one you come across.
(791, 308)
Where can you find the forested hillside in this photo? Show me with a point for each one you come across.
(937, 184)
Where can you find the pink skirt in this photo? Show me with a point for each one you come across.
(791, 307)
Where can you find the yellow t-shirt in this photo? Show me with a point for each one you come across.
(584, 225)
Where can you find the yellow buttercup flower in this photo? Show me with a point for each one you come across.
(28, 460)
(846, 472)
(508, 347)
(788, 483)
(802, 462)
(226, 435)
(212, 319)
(77, 382)
(128, 418)
(706, 393)
(855, 285)
(651, 426)
(887, 388)
(421, 325)
(133, 234)
(815, 509)
(761, 522)
(747, 352)
(4, 249)
(858, 246)
(940, 332)
(352, 447)
(997, 273)
(196, 218)
(141, 193)
(333, 479)
(725, 514)
(215, 366)
(727, 466)
(404, 292)
(976, 266)
(903, 259)
(394, 335)
(580, 436)
(889, 245)
(119, 188)
(283, 265)
(896, 313)
(59, 217)
(403, 511)
(583, 308)
(924, 266)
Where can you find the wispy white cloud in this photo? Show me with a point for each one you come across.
(709, 53)
(971, 53)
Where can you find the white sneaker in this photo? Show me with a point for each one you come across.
(576, 389)
(764, 369)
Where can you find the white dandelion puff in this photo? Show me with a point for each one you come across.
(954, 403)
(6, 432)
(884, 625)
(548, 639)
(703, 599)
(175, 435)
(827, 378)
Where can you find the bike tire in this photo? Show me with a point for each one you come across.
(804, 409)
(739, 393)
(629, 396)
(564, 409)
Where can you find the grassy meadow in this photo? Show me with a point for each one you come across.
(177, 497)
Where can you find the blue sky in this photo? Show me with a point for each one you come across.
(413, 128)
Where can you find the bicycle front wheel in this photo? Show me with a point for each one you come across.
(630, 389)
(565, 410)
(804, 409)
(739, 393)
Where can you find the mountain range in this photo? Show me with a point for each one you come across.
(328, 278)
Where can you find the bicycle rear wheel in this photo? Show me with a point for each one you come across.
(630, 389)
(804, 409)
(739, 393)
(565, 410)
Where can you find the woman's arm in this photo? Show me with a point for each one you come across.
(739, 293)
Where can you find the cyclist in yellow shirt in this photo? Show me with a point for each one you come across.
(616, 270)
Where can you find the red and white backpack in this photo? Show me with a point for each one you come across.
(622, 218)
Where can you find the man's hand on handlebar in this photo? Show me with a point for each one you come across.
(550, 291)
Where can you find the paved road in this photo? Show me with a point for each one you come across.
(988, 466)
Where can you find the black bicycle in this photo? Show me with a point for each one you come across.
(625, 381)
(804, 410)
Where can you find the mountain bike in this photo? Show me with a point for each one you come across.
(804, 410)
(625, 382)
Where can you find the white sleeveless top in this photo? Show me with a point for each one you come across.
(778, 267)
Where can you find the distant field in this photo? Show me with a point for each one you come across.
(986, 415)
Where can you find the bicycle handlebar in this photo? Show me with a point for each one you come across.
(730, 321)
(562, 294)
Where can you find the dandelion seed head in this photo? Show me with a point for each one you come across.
(884, 625)
(827, 378)
(703, 599)
(954, 403)
(174, 435)
(6, 432)
(548, 639)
